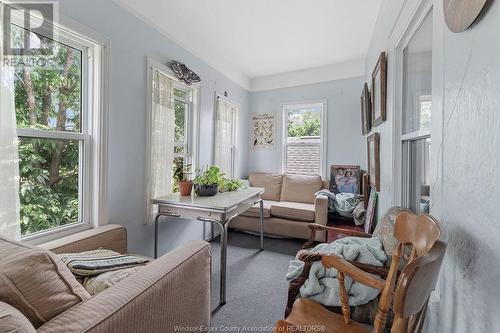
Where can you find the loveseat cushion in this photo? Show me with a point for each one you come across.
(13, 321)
(270, 182)
(254, 211)
(36, 282)
(300, 188)
(297, 211)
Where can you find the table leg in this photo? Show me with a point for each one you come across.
(156, 228)
(261, 215)
(223, 255)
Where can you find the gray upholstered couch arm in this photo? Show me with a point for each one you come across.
(174, 290)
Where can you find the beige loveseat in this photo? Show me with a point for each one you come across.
(290, 205)
(171, 291)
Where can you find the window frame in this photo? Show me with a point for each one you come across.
(416, 16)
(323, 103)
(235, 131)
(194, 120)
(93, 135)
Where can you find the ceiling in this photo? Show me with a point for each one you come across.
(247, 39)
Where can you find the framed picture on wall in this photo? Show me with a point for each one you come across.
(345, 179)
(379, 91)
(263, 130)
(365, 110)
(373, 149)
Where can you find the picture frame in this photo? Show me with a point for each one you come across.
(379, 91)
(366, 188)
(373, 153)
(345, 179)
(263, 130)
(371, 211)
(366, 125)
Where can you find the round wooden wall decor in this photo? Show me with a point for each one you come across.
(460, 14)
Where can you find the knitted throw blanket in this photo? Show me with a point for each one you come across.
(90, 263)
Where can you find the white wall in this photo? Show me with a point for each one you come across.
(132, 41)
(345, 145)
(466, 104)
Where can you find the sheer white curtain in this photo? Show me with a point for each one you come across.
(162, 139)
(9, 159)
(225, 126)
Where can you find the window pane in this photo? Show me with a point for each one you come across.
(303, 124)
(178, 162)
(47, 84)
(418, 156)
(49, 172)
(417, 79)
(303, 159)
(180, 93)
(180, 118)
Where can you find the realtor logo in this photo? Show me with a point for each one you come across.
(35, 16)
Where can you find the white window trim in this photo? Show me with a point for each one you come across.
(155, 65)
(95, 98)
(411, 18)
(323, 132)
(234, 157)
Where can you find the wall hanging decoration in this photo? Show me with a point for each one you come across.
(373, 147)
(379, 91)
(184, 74)
(263, 131)
(460, 14)
(365, 110)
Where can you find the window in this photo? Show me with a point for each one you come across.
(416, 121)
(304, 142)
(183, 108)
(57, 103)
(172, 127)
(225, 136)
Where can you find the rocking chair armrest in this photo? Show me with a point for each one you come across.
(314, 227)
(342, 265)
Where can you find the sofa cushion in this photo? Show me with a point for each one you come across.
(297, 211)
(270, 182)
(36, 282)
(300, 188)
(13, 321)
(254, 211)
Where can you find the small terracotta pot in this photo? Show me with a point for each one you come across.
(185, 188)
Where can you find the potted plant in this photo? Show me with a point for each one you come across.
(181, 176)
(206, 183)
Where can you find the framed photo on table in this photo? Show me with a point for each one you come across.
(366, 125)
(379, 91)
(345, 179)
(373, 149)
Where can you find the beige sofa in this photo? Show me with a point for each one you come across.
(290, 205)
(171, 291)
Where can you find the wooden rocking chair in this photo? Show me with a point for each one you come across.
(410, 290)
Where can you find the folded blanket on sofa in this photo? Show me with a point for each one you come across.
(322, 284)
(95, 262)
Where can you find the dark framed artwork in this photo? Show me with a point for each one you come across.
(366, 188)
(379, 91)
(345, 179)
(371, 211)
(366, 125)
(373, 149)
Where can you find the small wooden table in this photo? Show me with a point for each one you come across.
(219, 209)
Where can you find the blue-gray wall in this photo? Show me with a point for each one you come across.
(132, 41)
(345, 144)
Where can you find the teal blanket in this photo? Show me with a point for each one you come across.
(322, 284)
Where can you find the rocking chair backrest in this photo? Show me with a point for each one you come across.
(420, 234)
(414, 288)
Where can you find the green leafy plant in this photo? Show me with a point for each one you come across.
(213, 175)
(182, 173)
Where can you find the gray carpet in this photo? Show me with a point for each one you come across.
(256, 287)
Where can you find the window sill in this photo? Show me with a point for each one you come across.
(56, 233)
